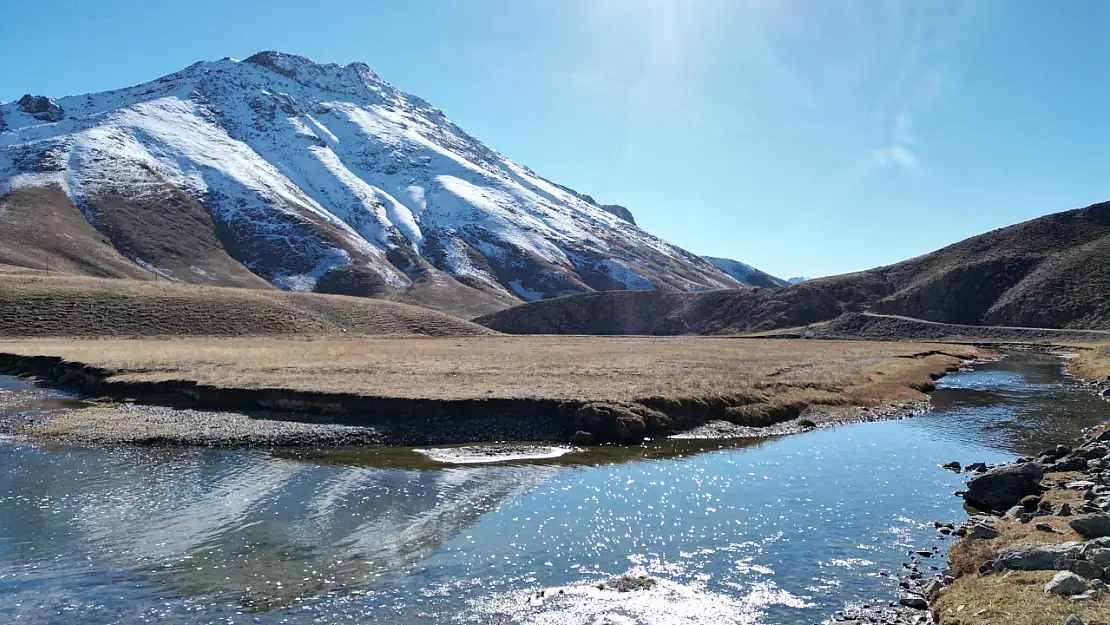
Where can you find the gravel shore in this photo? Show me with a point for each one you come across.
(139, 424)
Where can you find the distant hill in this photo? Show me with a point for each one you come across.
(745, 274)
(1051, 272)
(36, 303)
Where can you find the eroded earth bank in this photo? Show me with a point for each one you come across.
(416, 391)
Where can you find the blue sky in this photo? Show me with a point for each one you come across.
(806, 138)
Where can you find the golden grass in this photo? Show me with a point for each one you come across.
(1014, 532)
(572, 368)
(40, 304)
(1092, 363)
(965, 556)
(1013, 598)
(1058, 497)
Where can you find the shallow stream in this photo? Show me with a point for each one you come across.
(779, 531)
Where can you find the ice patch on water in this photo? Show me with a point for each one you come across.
(485, 454)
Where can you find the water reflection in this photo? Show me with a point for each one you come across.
(1021, 404)
(244, 528)
(776, 531)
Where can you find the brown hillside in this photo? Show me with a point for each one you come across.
(36, 303)
(40, 228)
(1051, 272)
(168, 229)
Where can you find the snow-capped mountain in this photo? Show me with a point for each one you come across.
(745, 274)
(326, 178)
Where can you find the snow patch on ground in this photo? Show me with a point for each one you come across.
(622, 274)
(524, 292)
(158, 271)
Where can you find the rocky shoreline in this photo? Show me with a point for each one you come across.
(1049, 513)
(1064, 485)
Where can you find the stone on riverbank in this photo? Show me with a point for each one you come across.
(1045, 527)
(1066, 583)
(978, 528)
(1082, 568)
(1036, 556)
(1004, 486)
(1094, 526)
(932, 589)
(914, 601)
(1100, 557)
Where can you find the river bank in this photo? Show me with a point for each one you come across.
(1041, 553)
(767, 531)
(426, 391)
(1036, 546)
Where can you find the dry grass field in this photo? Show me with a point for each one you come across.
(37, 303)
(1014, 598)
(1092, 364)
(570, 368)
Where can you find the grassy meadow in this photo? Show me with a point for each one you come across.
(578, 368)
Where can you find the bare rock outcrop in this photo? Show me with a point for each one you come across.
(42, 108)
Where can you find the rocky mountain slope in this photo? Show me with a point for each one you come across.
(1051, 272)
(279, 171)
(745, 274)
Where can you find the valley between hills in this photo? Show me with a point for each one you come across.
(283, 255)
(159, 242)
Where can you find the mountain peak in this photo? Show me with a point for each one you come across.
(324, 177)
(280, 62)
(327, 76)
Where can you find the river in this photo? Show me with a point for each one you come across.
(778, 531)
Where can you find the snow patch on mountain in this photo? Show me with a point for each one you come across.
(745, 274)
(333, 259)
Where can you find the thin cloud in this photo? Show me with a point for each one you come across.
(898, 156)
